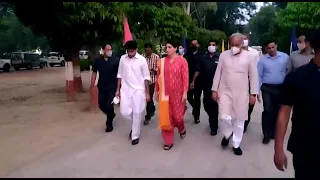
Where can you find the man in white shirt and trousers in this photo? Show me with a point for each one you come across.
(133, 87)
(231, 90)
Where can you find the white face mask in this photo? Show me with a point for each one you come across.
(235, 50)
(245, 42)
(212, 49)
(301, 46)
(109, 53)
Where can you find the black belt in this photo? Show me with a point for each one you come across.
(272, 85)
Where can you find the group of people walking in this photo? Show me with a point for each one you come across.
(230, 83)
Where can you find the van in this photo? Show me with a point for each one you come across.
(26, 60)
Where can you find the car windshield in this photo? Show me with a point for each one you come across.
(17, 56)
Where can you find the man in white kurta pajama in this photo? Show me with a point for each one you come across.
(133, 88)
(230, 89)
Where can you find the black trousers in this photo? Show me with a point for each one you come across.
(250, 110)
(212, 109)
(150, 105)
(271, 107)
(306, 166)
(194, 98)
(104, 99)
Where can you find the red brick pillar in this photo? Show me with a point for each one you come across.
(70, 90)
(94, 93)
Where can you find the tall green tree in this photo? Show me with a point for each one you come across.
(227, 16)
(14, 36)
(69, 25)
(264, 26)
(304, 15)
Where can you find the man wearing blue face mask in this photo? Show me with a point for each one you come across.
(107, 66)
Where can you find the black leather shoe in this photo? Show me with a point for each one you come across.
(265, 140)
(109, 128)
(213, 132)
(146, 121)
(135, 141)
(237, 151)
(196, 120)
(225, 142)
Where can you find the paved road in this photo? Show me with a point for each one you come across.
(46, 137)
(198, 155)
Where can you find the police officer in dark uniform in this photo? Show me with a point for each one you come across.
(194, 95)
(204, 74)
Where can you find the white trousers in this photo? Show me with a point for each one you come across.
(136, 124)
(132, 107)
(230, 126)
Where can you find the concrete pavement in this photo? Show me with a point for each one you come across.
(41, 135)
(198, 155)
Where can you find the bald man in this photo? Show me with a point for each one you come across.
(230, 89)
(107, 66)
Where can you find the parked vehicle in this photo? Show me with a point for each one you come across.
(55, 58)
(5, 65)
(83, 54)
(26, 60)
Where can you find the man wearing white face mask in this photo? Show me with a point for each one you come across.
(230, 89)
(255, 56)
(302, 56)
(107, 66)
(206, 68)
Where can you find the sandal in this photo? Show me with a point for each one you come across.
(167, 147)
(183, 134)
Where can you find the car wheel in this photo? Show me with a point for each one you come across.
(51, 65)
(41, 65)
(16, 68)
(29, 66)
(6, 68)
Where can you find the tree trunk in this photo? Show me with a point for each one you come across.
(73, 75)
(186, 7)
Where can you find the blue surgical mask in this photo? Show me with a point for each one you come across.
(181, 51)
(109, 54)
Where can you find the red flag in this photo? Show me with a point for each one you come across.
(127, 36)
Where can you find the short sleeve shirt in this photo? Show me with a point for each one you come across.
(108, 70)
(301, 89)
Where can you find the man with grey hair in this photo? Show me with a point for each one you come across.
(230, 89)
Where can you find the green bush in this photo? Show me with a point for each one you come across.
(85, 64)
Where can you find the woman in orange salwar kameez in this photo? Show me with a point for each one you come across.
(171, 92)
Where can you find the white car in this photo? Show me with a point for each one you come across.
(5, 65)
(83, 54)
(55, 58)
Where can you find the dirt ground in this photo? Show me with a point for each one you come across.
(42, 135)
(34, 111)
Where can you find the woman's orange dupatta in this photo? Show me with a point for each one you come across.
(163, 105)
